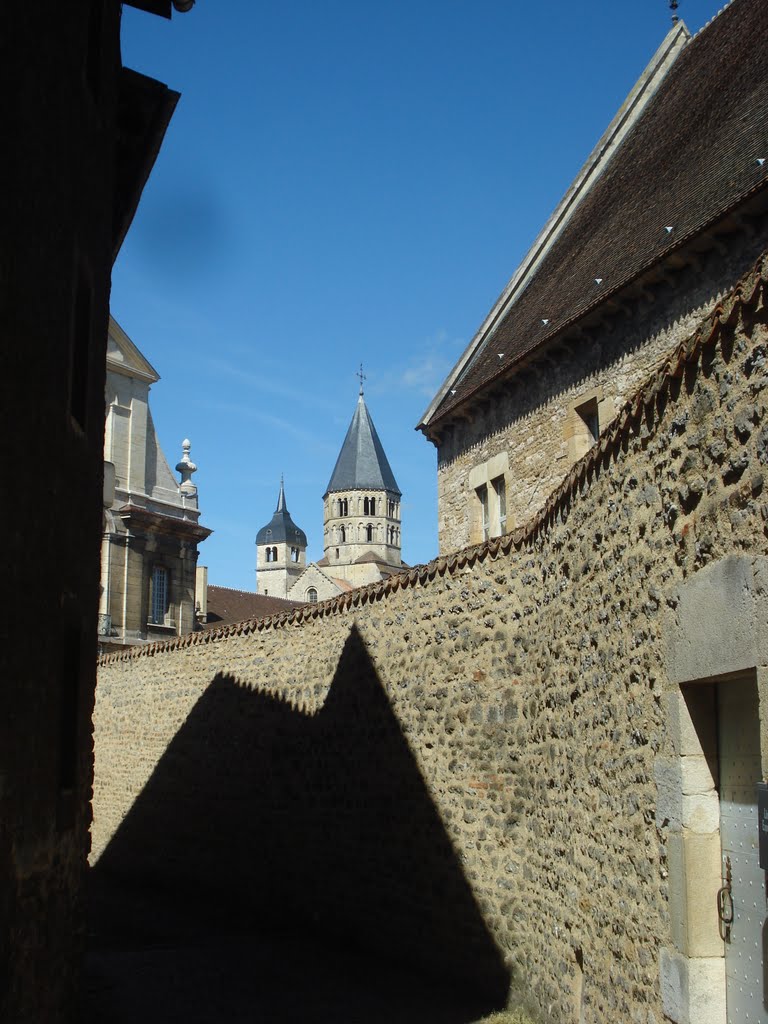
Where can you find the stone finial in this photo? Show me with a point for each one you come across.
(186, 467)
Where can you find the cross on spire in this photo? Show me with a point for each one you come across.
(362, 377)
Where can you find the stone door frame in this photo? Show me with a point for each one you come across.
(716, 632)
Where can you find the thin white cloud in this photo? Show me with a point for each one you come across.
(426, 370)
(266, 384)
(284, 426)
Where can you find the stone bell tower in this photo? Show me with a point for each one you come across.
(361, 507)
(281, 552)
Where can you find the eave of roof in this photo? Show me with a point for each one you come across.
(595, 164)
(145, 108)
(618, 227)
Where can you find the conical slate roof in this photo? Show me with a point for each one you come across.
(362, 463)
(281, 529)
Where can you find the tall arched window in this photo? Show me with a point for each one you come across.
(369, 532)
(312, 595)
(343, 533)
(158, 594)
(343, 507)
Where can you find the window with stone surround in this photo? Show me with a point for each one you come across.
(487, 497)
(312, 595)
(588, 416)
(159, 592)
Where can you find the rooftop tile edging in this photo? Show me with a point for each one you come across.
(746, 294)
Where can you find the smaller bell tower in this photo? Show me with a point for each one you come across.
(281, 552)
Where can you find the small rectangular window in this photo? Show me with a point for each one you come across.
(159, 595)
(589, 415)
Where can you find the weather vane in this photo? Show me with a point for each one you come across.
(362, 377)
(673, 8)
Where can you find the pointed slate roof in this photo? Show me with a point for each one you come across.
(362, 463)
(694, 153)
(281, 529)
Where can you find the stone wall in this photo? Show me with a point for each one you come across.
(536, 427)
(456, 766)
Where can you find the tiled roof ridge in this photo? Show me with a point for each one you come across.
(714, 17)
(746, 294)
(245, 593)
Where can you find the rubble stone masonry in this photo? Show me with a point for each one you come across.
(457, 765)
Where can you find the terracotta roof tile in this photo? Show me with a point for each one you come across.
(226, 606)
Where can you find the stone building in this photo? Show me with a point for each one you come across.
(83, 133)
(657, 225)
(152, 529)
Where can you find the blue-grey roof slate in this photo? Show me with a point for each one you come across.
(281, 529)
(362, 463)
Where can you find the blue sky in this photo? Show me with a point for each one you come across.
(344, 183)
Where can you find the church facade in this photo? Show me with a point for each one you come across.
(151, 519)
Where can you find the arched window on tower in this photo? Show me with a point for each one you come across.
(294, 554)
(312, 595)
(369, 532)
(343, 534)
(369, 506)
(343, 507)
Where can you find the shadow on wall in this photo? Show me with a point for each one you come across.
(260, 816)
